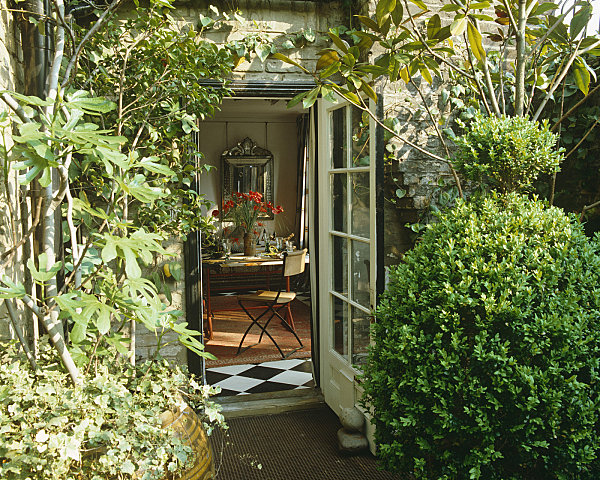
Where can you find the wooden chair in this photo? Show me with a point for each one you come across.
(274, 301)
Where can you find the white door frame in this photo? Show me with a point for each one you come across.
(338, 375)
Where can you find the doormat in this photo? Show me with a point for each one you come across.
(298, 445)
(230, 324)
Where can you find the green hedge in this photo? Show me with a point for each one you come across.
(486, 350)
(509, 153)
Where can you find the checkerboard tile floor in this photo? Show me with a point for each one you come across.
(262, 377)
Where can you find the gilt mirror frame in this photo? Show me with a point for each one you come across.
(243, 156)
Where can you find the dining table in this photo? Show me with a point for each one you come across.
(239, 272)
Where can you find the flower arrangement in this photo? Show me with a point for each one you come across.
(245, 209)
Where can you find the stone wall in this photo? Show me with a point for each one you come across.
(275, 19)
(11, 78)
(146, 341)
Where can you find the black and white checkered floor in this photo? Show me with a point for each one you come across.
(262, 377)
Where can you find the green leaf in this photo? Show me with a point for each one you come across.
(175, 269)
(332, 69)
(263, 51)
(479, 5)
(46, 178)
(151, 164)
(9, 289)
(475, 42)
(450, 7)
(459, 25)
(433, 26)
(368, 22)
(582, 76)
(420, 4)
(383, 10)
(109, 252)
(327, 59)
(338, 42)
(131, 265)
(103, 320)
(283, 58)
(29, 100)
(128, 467)
(350, 96)
(580, 20)
(311, 97)
(297, 99)
(368, 90)
(398, 13)
(43, 274)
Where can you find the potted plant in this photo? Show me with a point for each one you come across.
(245, 209)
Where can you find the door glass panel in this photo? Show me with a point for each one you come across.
(340, 265)
(361, 323)
(339, 203)
(360, 138)
(340, 327)
(360, 265)
(339, 143)
(360, 209)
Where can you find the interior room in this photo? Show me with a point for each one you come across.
(256, 144)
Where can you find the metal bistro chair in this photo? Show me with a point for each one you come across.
(273, 302)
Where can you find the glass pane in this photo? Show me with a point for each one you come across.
(340, 327)
(360, 210)
(339, 147)
(340, 265)
(360, 138)
(360, 265)
(249, 178)
(361, 323)
(339, 203)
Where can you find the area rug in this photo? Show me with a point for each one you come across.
(230, 323)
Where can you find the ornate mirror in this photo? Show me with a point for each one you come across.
(247, 167)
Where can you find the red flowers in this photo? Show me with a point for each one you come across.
(215, 213)
(246, 208)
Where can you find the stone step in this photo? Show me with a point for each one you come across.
(271, 402)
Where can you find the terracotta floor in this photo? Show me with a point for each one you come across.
(229, 325)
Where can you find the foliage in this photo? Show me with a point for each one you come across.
(94, 159)
(427, 45)
(107, 429)
(508, 152)
(486, 353)
(111, 290)
(246, 208)
(154, 68)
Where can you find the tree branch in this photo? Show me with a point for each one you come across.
(575, 107)
(558, 22)
(441, 138)
(582, 139)
(15, 107)
(430, 51)
(520, 60)
(90, 33)
(13, 320)
(36, 221)
(563, 75)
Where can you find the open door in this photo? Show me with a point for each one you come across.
(347, 254)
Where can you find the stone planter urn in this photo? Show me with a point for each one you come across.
(187, 426)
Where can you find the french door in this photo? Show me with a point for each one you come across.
(347, 262)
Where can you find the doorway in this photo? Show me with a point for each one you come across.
(282, 132)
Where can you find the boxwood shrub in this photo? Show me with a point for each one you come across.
(508, 153)
(486, 352)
